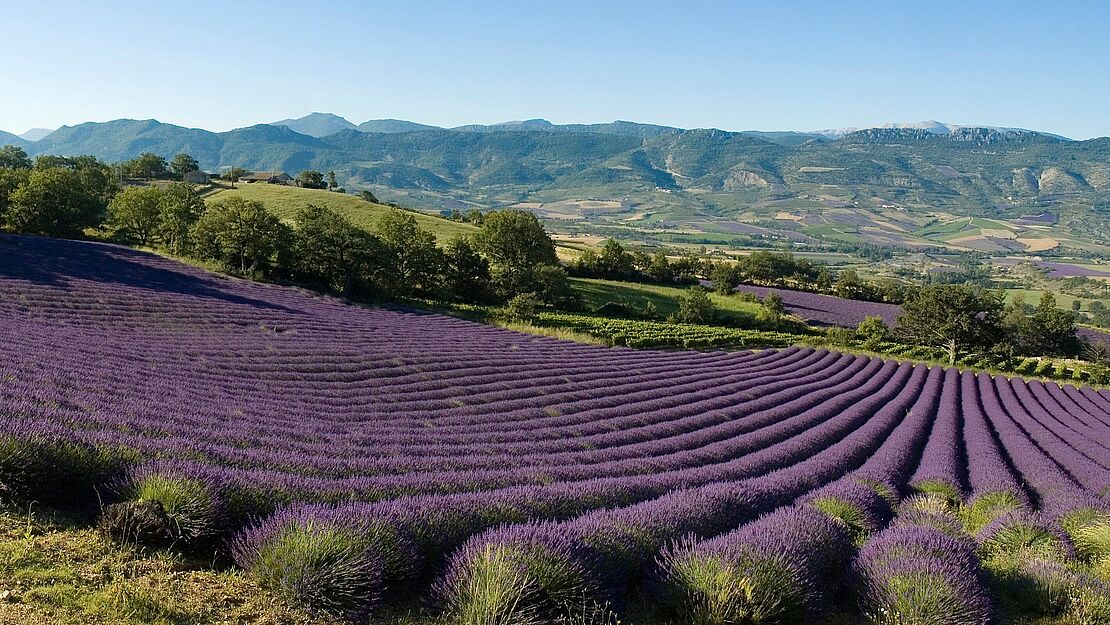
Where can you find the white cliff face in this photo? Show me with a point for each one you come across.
(932, 126)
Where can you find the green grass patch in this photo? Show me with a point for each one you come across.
(595, 293)
(285, 201)
(59, 572)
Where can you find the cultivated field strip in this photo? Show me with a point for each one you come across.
(297, 411)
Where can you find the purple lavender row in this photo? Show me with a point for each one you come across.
(346, 432)
(1080, 396)
(730, 427)
(1058, 493)
(1059, 402)
(774, 447)
(1050, 416)
(1091, 475)
(989, 473)
(942, 464)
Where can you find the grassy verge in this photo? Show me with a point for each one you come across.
(53, 571)
(595, 293)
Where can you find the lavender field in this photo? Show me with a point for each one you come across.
(354, 460)
(829, 310)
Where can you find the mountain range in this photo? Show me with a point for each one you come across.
(664, 179)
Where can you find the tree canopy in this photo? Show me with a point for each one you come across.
(330, 251)
(311, 179)
(954, 317)
(414, 258)
(14, 157)
(241, 234)
(182, 164)
(136, 213)
(54, 201)
(516, 243)
(147, 166)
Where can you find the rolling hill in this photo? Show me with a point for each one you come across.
(286, 201)
(910, 187)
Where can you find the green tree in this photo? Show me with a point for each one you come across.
(235, 173)
(10, 180)
(524, 307)
(1076, 305)
(332, 184)
(687, 266)
(311, 179)
(148, 166)
(725, 277)
(414, 259)
(551, 284)
(872, 331)
(136, 212)
(331, 251)
(182, 164)
(241, 234)
(660, 269)
(1055, 329)
(14, 157)
(53, 202)
(181, 207)
(516, 243)
(94, 176)
(694, 306)
(1044, 330)
(849, 285)
(467, 274)
(954, 317)
(614, 262)
(772, 310)
(369, 196)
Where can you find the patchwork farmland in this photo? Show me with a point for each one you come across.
(354, 460)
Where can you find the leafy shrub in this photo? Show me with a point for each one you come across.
(513, 576)
(330, 560)
(523, 307)
(191, 507)
(1089, 530)
(327, 569)
(1023, 532)
(988, 507)
(747, 587)
(694, 306)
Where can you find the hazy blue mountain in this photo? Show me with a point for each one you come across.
(316, 124)
(393, 125)
(122, 139)
(35, 134)
(7, 138)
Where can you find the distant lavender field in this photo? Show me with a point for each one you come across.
(828, 310)
(1067, 270)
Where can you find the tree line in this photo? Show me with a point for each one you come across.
(321, 249)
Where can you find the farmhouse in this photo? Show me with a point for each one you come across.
(272, 177)
(197, 177)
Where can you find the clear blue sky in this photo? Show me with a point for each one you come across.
(733, 65)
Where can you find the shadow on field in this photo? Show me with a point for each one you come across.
(59, 262)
